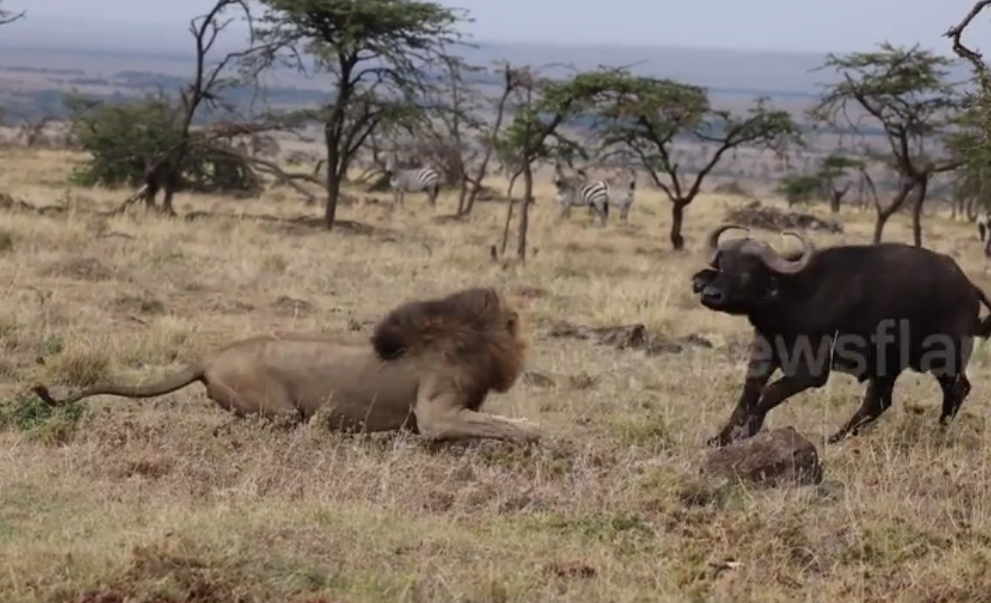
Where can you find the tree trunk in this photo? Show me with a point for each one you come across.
(333, 179)
(462, 194)
(972, 210)
(167, 207)
(512, 183)
(172, 179)
(333, 194)
(473, 191)
(476, 184)
(677, 221)
(525, 212)
(505, 227)
(920, 199)
(884, 213)
(834, 201)
(882, 219)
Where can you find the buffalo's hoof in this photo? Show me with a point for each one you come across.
(717, 442)
(837, 437)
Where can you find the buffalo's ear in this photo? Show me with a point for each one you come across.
(702, 278)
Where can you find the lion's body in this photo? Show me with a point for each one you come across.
(429, 368)
(273, 375)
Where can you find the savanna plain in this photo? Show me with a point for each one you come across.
(171, 499)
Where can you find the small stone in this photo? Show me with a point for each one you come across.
(770, 458)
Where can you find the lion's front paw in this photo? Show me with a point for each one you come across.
(525, 423)
(530, 428)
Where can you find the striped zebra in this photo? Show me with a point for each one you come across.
(984, 231)
(425, 179)
(622, 196)
(572, 192)
(597, 195)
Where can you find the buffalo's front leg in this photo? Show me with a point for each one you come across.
(877, 399)
(760, 366)
(748, 417)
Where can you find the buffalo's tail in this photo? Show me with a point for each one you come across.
(984, 324)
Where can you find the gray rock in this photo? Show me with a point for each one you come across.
(770, 458)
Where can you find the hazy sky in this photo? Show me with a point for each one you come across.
(838, 25)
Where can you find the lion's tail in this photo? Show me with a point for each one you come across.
(165, 386)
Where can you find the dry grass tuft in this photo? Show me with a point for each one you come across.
(171, 499)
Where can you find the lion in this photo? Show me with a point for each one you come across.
(427, 369)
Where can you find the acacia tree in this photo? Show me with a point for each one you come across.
(452, 111)
(460, 122)
(800, 188)
(971, 187)
(7, 17)
(525, 140)
(376, 53)
(905, 92)
(488, 134)
(972, 143)
(167, 139)
(834, 172)
(541, 107)
(649, 116)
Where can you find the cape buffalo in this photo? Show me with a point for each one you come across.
(868, 310)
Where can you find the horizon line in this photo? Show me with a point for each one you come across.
(6, 42)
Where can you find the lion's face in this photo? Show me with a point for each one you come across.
(502, 353)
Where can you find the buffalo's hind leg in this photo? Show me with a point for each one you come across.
(877, 399)
(950, 373)
(955, 389)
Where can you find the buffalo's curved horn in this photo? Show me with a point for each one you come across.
(778, 264)
(712, 242)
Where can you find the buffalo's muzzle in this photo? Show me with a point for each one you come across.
(712, 296)
(701, 279)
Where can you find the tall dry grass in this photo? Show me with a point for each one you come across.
(172, 500)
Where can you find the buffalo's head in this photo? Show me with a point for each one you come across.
(745, 274)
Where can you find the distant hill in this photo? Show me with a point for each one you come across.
(42, 58)
(781, 73)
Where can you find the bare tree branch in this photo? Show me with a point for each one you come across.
(164, 171)
(7, 17)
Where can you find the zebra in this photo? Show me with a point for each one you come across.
(622, 197)
(594, 194)
(425, 179)
(984, 231)
(597, 195)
